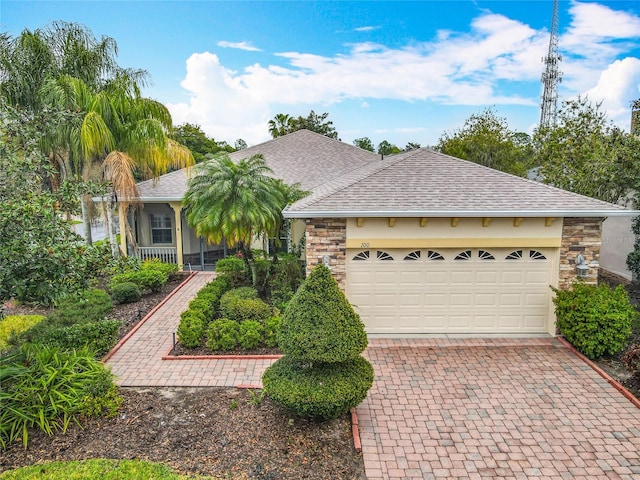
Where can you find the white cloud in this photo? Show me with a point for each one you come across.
(468, 68)
(238, 45)
(368, 28)
(617, 86)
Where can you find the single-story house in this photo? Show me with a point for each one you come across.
(421, 242)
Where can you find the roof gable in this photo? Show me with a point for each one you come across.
(427, 183)
(301, 157)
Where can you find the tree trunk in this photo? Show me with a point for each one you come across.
(86, 218)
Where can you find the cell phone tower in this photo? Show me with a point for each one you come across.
(551, 76)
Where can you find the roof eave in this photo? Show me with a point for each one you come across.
(459, 213)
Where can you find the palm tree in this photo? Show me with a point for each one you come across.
(280, 125)
(65, 68)
(121, 136)
(234, 202)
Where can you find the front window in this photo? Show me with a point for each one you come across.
(161, 231)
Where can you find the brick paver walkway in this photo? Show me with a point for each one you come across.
(138, 363)
(511, 409)
(443, 408)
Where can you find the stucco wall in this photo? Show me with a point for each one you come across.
(144, 223)
(617, 243)
(579, 236)
(448, 232)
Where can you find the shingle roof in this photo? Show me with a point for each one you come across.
(301, 157)
(427, 183)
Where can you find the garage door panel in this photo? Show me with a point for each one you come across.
(487, 278)
(537, 278)
(464, 277)
(436, 277)
(512, 299)
(487, 295)
(509, 277)
(486, 299)
(509, 322)
(460, 299)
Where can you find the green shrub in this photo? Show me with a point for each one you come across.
(214, 290)
(13, 325)
(325, 391)
(191, 329)
(239, 293)
(169, 270)
(235, 269)
(595, 319)
(202, 305)
(99, 337)
(251, 334)
(48, 388)
(631, 358)
(319, 324)
(243, 309)
(288, 274)
(88, 306)
(223, 334)
(94, 469)
(147, 280)
(126, 292)
(271, 331)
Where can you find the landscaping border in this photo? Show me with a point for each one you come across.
(145, 318)
(612, 381)
(168, 356)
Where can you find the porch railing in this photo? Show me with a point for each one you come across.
(164, 254)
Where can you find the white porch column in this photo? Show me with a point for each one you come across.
(177, 211)
(122, 220)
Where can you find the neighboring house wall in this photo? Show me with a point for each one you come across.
(617, 243)
(327, 237)
(579, 236)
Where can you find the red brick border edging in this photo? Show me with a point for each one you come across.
(168, 356)
(355, 430)
(146, 317)
(614, 383)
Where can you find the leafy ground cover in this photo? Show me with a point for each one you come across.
(221, 432)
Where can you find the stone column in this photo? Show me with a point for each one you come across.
(327, 237)
(177, 213)
(579, 236)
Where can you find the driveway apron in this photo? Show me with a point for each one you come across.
(442, 408)
(512, 409)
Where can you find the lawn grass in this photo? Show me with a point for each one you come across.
(97, 469)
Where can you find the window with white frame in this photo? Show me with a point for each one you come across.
(161, 231)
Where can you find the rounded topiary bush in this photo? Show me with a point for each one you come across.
(126, 292)
(223, 334)
(319, 324)
(321, 390)
(191, 329)
(597, 320)
(251, 334)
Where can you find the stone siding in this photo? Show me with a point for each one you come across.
(327, 237)
(579, 236)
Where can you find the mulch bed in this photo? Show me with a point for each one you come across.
(223, 432)
(209, 431)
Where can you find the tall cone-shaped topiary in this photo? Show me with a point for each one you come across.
(319, 324)
(322, 373)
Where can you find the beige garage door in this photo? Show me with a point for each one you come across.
(503, 291)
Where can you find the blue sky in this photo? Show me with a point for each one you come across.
(396, 71)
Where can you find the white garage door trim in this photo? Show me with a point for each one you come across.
(492, 291)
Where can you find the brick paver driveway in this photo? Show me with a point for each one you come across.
(526, 408)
